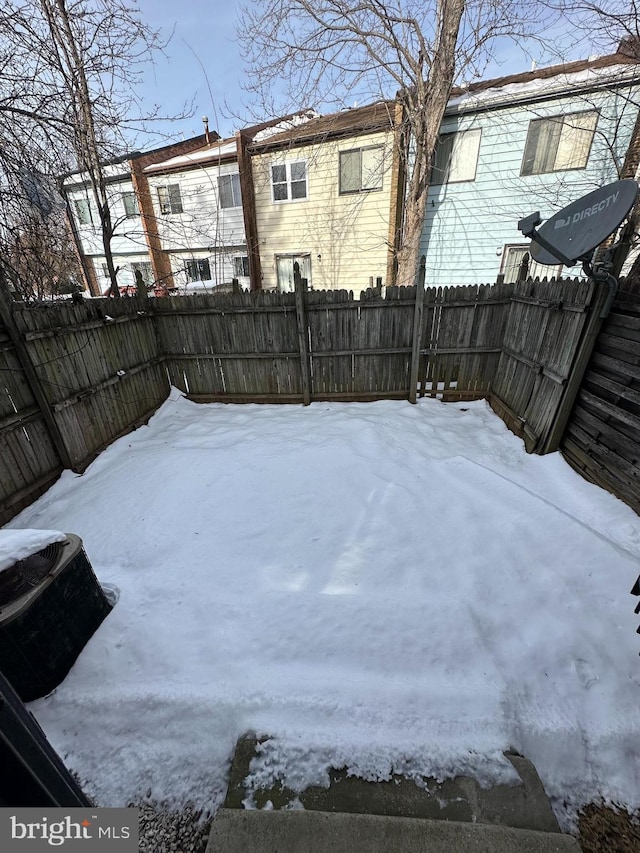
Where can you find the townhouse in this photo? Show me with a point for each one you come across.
(129, 245)
(522, 143)
(323, 197)
(325, 192)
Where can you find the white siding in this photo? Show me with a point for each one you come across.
(202, 225)
(124, 264)
(128, 238)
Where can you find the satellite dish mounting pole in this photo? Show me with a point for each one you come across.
(573, 233)
(599, 272)
(602, 272)
(528, 228)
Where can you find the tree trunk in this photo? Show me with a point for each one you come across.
(86, 140)
(425, 109)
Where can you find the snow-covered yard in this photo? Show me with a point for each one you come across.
(381, 586)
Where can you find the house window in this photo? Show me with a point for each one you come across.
(229, 190)
(361, 170)
(560, 142)
(241, 267)
(198, 270)
(517, 265)
(130, 205)
(170, 199)
(289, 181)
(456, 157)
(83, 211)
(105, 271)
(145, 268)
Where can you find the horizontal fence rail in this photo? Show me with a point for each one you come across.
(29, 462)
(98, 365)
(602, 439)
(78, 375)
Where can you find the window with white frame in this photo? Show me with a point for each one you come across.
(456, 157)
(229, 190)
(83, 211)
(560, 142)
(198, 270)
(518, 265)
(241, 267)
(361, 169)
(130, 205)
(170, 199)
(145, 269)
(289, 181)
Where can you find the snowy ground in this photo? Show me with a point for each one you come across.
(382, 586)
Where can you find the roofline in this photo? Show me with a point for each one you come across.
(214, 136)
(159, 169)
(215, 158)
(252, 130)
(547, 72)
(296, 140)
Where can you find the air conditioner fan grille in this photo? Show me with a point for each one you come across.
(27, 573)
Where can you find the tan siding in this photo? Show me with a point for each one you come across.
(345, 235)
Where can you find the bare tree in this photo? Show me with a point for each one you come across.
(327, 51)
(39, 258)
(68, 75)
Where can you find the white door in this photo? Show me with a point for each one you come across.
(284, 266)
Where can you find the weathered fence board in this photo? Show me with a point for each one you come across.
(99, 366)
(543, 331)
(462, 339)
(602, 439)
(105, 365)
(29, 463)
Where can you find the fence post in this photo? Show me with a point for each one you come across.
(301, 318)
(6, 316)
(417, 332)
(590, 333)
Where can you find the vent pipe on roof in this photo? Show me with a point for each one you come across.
(205, 122)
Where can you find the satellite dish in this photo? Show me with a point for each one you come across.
(574, 232)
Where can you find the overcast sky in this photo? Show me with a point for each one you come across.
(203, 63)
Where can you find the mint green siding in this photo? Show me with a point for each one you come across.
(468, 223)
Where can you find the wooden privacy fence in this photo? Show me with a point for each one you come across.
(326, 345)
(29, 462)
(77, 376)
(602, 439)
(74, 377)
(549, 333)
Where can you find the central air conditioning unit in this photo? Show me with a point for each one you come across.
(50, 605)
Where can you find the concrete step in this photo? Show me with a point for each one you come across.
(241, 831)
(522, 806)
